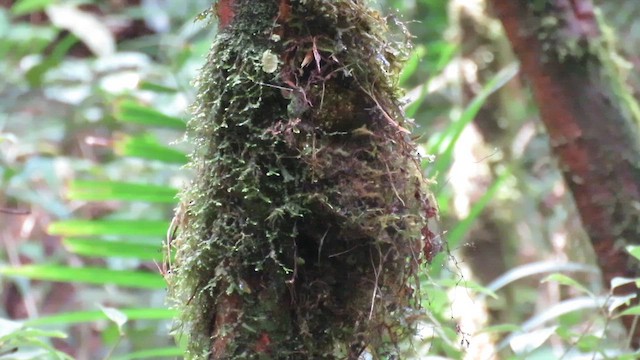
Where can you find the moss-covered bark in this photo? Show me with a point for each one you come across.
(302, 234)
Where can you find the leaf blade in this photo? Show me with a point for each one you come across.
(73, 228)
(133, 112)
(116, 249)
(79, 317)
(145, 147)
(89, 190)
(88, 275)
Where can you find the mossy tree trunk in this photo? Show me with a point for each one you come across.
(303, 232)
(590, 117)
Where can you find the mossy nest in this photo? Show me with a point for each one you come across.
(303, 232)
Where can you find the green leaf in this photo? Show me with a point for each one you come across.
(565, 280)
(99, 276)
(115, 315)
(24, 7)
(146, 147)
(634, 310)
(454, 131)
(455, 235)
(167, 352)
(412, 64)
(446, 54)
(35, 75)
(589, 343)
(78, 317)
(634, 250)
(158, 88)
(565, 333)
(628, 356)
(133, 112)
(24, 332)
(119, 249)
(14, 335)
(151, 228)
(113, 190)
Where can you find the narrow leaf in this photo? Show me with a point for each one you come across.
(117, 249)
(78, 317)
(123, 191)
(565, 280)
(146, 147)
(35, 75)
(634, 310)
(99, 276)
(412, 64)
(537, 268)
(133, 112)
(73, 228)
(158, 88)
(445, 157)
(455, 236)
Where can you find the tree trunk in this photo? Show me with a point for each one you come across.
(590, 118)
(302, 234)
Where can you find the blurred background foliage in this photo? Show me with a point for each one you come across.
(94, 99)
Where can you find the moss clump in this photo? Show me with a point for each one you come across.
(305, 226)
(582, 36)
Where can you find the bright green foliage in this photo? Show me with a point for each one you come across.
(306, 220)
(136, 279)
(14, 334)
(121, 249)
(117, 190)
(132, 112)
(147, 147)
(146, 228)
(78, 317)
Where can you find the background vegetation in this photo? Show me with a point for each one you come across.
(95, 95)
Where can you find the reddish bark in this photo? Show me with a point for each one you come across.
(225, 12)
(226, 318)
(284, 11)
(592, 135)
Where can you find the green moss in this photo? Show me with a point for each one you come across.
(301, 236)
(616, 68)
(555, 42)
(598, 51)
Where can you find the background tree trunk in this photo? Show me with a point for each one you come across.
(303, 232)
(590, 119)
